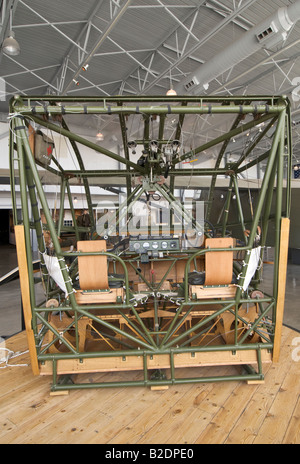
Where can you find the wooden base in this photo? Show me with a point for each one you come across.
(135, 363)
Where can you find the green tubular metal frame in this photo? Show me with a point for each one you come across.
(160, 336)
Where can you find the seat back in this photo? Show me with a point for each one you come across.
(93, 274)
(218, 264)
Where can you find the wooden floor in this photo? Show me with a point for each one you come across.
(229, 412)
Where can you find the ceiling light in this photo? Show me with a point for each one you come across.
(100, 136)
(171, 93)
(10, 46)
(85, 67)
(76, 82)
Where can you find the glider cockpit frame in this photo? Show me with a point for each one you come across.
(149, 309)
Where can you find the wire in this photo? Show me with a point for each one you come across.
(225, 333)
(12, 355)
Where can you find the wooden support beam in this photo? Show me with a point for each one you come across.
(282, 271)
(25, 292)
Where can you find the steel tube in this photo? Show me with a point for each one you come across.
(26, 221)
(261, 200)
(240, 208)
(199, 100)
(150, 352)
(148, 110)
(199, 325)
(87, 143)
(233, 133)
(152, 383)
(44, 203)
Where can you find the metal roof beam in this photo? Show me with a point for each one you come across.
(85, 30)
(51, 25)
(128, 53)
(56, 23)
(110, 26)
(33, 73)
(170, 33)
(8, 7)
(205, 39)
(32, 70)
(190, 33)
(253, 68)
(88, 81)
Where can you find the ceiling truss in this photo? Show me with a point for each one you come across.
(148, 70)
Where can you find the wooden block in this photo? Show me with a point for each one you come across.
(255, 382)
(160, 388)
(203, 292)
(83, 298)
(60, 393)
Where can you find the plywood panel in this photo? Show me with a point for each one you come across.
(92, 269)
(219, 265)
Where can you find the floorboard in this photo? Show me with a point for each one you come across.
(229, 412)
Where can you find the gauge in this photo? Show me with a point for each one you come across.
(146, 245)
(137, 246)
(164, 245)
(155, 245)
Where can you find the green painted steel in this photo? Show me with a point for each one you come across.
(163, 319)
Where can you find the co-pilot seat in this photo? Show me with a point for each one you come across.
(218, 272)
(93, 276)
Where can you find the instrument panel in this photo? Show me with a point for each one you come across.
(153, 245)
